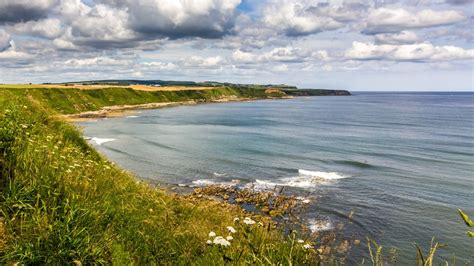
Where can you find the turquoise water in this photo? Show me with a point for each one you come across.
(402, 162)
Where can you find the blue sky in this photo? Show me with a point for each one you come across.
(340, 44)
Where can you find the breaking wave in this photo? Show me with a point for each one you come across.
(320, 225)
(305, 179)
(100, 141)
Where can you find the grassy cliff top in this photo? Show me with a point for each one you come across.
(62, 202)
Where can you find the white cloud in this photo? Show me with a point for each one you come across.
(411, 52)
(180, 18)
(5, 40)
(383, 20)
(244, 57)
(296, 18)
(160, 65)
(403, 37)
(280, 54)
(48, 28)
(203, 61)
(102, 26)
(11, 54)
(280, 68)
(96, 61)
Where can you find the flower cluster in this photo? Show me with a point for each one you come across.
(305, 246)
(248, 221)
(219, 240)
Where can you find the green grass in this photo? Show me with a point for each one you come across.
(70, 100)
(63, 202)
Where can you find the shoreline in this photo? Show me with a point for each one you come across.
(124, 110)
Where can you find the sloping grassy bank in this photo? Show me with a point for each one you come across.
(70, 101)
(61, 202)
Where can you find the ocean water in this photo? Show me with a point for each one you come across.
(401, 162)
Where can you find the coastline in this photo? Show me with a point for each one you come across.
(87, 198)
(124, 110)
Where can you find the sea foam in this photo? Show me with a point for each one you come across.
(320, 225)
(323, 175)
(305, 179)
(100, 141)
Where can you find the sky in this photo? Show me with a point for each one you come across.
(383, 45)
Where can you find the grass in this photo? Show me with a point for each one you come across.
(69, 100)
(63, 203)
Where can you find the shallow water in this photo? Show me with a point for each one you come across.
(403, 162)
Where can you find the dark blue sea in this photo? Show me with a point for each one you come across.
(401, 162)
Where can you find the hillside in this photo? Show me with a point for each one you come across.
(64, 203)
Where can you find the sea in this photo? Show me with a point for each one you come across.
(389, 166)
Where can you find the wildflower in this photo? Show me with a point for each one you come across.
(301, 241)
(231, 229)
(236, 219)
(248, 221)
(209, 242)
(212, 234)
(306, 201)
(307, 246)
(219, 240)
(230, 238)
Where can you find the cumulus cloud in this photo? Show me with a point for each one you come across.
(5, 40)
(160, 65)
(385, 20)
(280, 68)
(411, 52)
(101, 61)
(180, 18)
(280, 54)
(212, 61)
(47, 28)
(12, 54)
(13, 11)
(298, 18)
(102, 26)
(404, 37)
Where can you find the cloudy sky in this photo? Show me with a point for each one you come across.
(348, 44)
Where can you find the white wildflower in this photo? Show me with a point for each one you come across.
(301, 241)
(307, 246)
(306, 201)
(230, 238)
(249, 221)
(209, 242)
(231, 229)
(212, 234)
(219, 240)
(236, 219)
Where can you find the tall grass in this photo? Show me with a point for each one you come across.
(63, 202)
